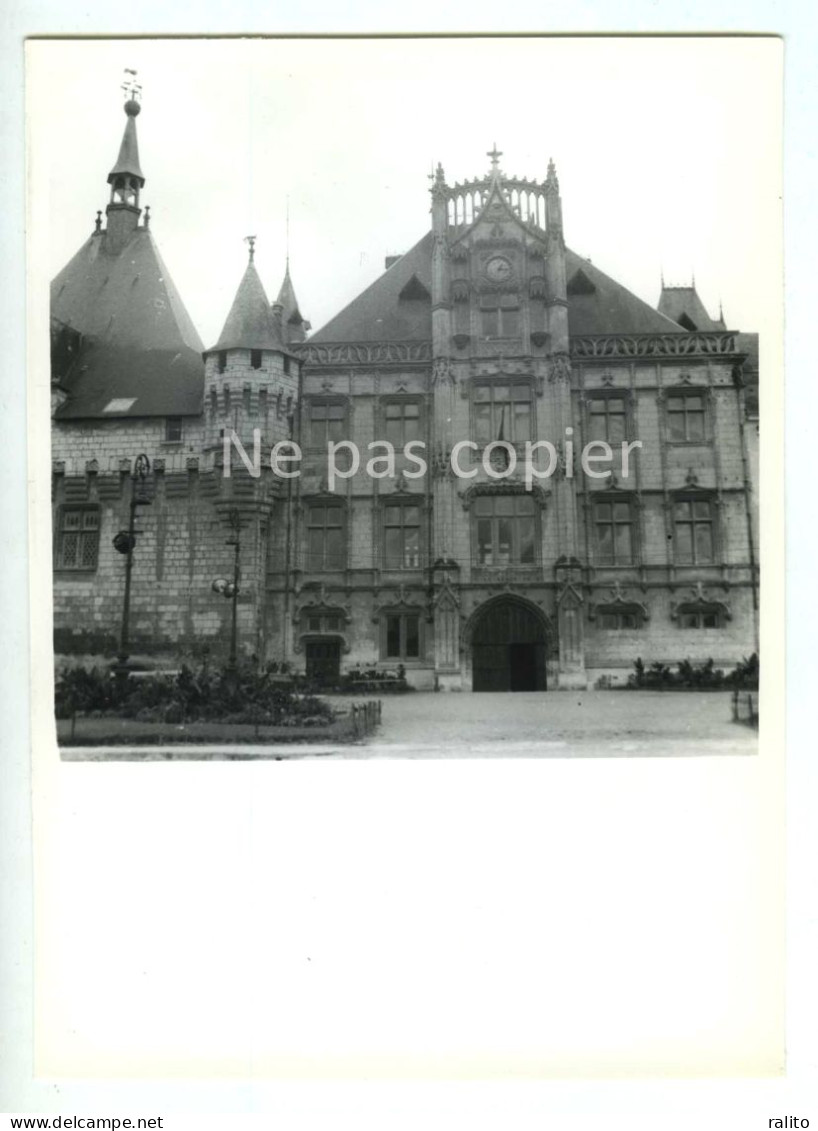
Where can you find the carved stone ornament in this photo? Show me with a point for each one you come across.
(700, 601)
(653, 345)
(508, 486)
(618, 602)
(559, 369)
(442, 371)
(364, 353)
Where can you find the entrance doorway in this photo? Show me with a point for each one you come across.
(508, 649)
(323, 662)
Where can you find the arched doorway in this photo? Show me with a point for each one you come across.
(508, 648)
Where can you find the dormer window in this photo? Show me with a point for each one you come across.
(255, 359)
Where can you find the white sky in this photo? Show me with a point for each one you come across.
(668, 153)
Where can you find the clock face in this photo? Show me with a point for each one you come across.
(498, 269)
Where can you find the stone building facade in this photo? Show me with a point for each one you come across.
(473, 575)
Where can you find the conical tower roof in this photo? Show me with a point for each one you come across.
(287, 300)
(128, 160)
(250, 323)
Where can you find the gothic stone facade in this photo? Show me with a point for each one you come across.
(490, 328)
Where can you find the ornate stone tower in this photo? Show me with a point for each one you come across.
(501, 376)
(251, 375)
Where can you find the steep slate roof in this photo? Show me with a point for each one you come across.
(379, 314)
(287, 300)
(131, 317)
(676, 301)
(250, 323)
(609, 308)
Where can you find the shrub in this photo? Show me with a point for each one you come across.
(243, 695)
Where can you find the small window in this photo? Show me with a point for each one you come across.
(505, 530)
(685, 418)
(402, 422)
(120, 404)
(401, 536)
(503, 411)
(326, 423)
(263, 402)
(221, 361)
(607, 419)
(693, 531)
(173, 429)
(286, 365)
(614, 533)
(401, 636)
(619, 620)
(255, 359)
(700, 618)
(500, 316)
(326, 543)
(77, 538)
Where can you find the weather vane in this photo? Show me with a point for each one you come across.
(251, 243)
(130, 87)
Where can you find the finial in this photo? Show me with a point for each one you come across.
(287, 234)
(721, 311)
(251, 243)
(662, 276)
(133, 93)
(551, 180)
(99, 221)
(147, 219)
(495, 154)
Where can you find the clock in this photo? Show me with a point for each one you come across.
(498, 269)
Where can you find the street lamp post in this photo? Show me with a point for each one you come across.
(124, 543)
(230, 589)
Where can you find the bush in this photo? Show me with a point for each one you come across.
(240, 696)
(704, 676)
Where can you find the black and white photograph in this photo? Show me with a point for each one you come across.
(430, 423)
(405, 526)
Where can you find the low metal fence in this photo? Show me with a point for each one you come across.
(365, 717)
(745, 707)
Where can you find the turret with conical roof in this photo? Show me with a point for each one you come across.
(251, 377)
(292, 323)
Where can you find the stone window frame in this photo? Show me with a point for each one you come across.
(619, 613)
(688, 390)
(615, 496)
(505, 492)
(610, 393)
(401, 612)
(499, 301)
(326, 501)
(324, 400)
(508, 380)
(402, 499)
(388, 399)
(699, 611)
(60, 531)
(697, 495)
(174, 424)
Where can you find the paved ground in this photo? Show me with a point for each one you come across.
(585, 724)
